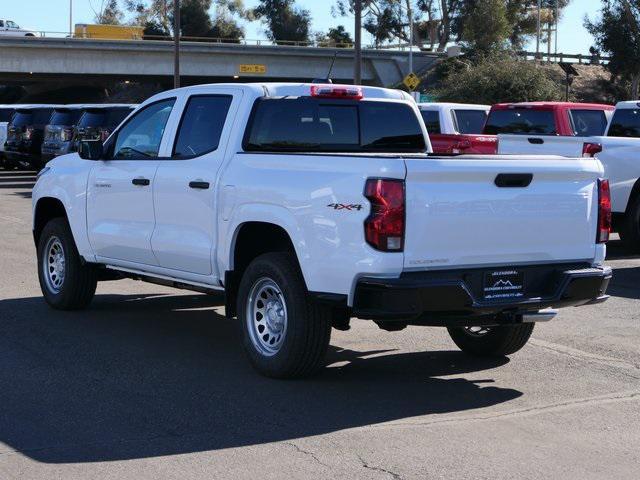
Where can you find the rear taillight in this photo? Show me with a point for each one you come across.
(28, 132)
(384, 228)
(590, 149)
(104, 134)
(604, 211)
(66, 134)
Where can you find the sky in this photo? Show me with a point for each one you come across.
(53, 16)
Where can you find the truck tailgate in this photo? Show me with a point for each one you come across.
(540, 145)
(458, 216)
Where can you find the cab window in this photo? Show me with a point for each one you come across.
(201, 125)
(588, 123)
(431, 120)
(140, 137)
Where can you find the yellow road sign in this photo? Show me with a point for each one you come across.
(253, 68)
(411, 81)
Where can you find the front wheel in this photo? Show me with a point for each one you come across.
(491, 341)
(630, 226)
(285, 333)
(65, 282)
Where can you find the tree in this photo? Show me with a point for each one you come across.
(335, 37)
(498, 78)
(224, 25)
(487, 27)
(108, 13)
(617, 34)
(194, 18)
(284, 21)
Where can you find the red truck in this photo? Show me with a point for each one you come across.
(456, 128)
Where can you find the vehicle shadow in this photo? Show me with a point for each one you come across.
(616, 250)
(145, 376)
(625, 283)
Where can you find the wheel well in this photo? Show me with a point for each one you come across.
(635, 191)
(253, 239)
(46, 209)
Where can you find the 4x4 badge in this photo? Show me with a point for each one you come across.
(342, 206)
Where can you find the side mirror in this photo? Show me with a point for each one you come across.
(91, 150)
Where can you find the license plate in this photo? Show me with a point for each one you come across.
(501, 284)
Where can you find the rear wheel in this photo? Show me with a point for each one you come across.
(65, 282)
(285, 333)
(491, 341)
(630, 226)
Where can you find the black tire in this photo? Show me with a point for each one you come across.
(496, 342)
(630, 226)
(307, 324)
(78, 282)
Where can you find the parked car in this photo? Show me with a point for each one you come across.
(306, 205)
(619, 150)
(58, 135)
(12, 29)
(546, 128)
(456, 128)
(25, 134)
(97, 122)
(6, 112)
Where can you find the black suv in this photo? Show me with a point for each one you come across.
(6, 112)
(58, 135)
(25, 134)
(98, 122)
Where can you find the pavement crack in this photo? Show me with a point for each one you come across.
(307, 453)
(366, 465)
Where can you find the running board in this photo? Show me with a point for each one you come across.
(167, 281)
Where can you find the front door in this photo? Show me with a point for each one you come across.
(120, 213)
(185, 191)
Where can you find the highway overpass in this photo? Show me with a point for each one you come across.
(29, 60)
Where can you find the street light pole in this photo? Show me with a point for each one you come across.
(176, 44)
(357, 67)
(70, 18)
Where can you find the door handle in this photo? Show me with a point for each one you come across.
(513, 180)
(536, 141)
(199, 184)
(143, 182)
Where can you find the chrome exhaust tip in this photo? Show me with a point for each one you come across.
(540, 316)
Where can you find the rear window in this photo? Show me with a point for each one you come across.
(5, 114)
(521, 121)
(588, 123)
(312, 125)
(469, 121)
(431, 120)
(65, 117)
(625, 123)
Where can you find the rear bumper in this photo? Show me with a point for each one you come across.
(454, 297)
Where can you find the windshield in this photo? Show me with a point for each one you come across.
(625, 123)
(521, 121)
(22, 118)
(314, 125)
(470, 121)
(103, 117)
(65, 117)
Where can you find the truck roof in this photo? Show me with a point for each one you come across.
(453, 106)
(595, 106)
(290, 89)
(628, 104)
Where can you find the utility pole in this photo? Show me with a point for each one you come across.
(176, 36)
(410, 36)
(71, 18)
(357, 68)
(538, 31)
(556, 19)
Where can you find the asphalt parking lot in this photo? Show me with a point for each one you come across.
(151, 383)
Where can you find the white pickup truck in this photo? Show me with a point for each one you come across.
(307, 205)
(618, 151)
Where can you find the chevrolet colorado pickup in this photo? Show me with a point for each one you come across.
(304, 205)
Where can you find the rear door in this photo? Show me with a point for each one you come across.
(466, 211)
(185, 192)
(120, 215)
